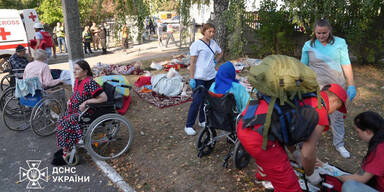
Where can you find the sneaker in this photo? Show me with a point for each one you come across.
(202, 124)
(189, 131)
(343, 152)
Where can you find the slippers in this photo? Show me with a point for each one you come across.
(58, 159)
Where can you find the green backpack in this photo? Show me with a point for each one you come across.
(282, 78)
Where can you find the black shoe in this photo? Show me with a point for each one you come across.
(58, 158)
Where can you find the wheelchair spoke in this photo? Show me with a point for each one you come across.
(109, 136)
(45, 117)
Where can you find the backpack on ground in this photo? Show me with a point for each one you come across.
(283, 82)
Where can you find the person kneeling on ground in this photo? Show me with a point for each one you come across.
(40, 69)
(86, 91)
(370, 128)
(273, 163)
(226, 82)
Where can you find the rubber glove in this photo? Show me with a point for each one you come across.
(314, 178)
(351, 92)
(192, 83)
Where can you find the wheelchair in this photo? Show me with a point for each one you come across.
(106, 134)
(8, 80)
(39, 112)
(221, 114)
(7, 84)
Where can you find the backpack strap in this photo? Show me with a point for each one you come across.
(267, 123)
(249, 118)
(251, 110)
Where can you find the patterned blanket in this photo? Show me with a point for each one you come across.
(162, 101)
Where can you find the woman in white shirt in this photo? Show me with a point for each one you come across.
(204, 54)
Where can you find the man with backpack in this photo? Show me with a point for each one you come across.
(43, 40)
(288, 112)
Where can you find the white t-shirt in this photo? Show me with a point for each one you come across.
(205, 64)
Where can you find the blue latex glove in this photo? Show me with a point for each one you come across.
(192, 83)
(351, 92)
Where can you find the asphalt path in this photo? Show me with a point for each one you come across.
(18, 147)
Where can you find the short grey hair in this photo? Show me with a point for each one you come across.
(40, 55)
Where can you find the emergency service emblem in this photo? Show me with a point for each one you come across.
(33, 174)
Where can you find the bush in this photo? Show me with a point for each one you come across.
(276, 31)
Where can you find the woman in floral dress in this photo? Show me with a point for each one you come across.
(86, 91)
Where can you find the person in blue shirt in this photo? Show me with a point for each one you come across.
(328, 56)
(226, 82)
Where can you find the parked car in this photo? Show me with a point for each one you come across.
(174, 20)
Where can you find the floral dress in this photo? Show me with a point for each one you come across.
(68, 128)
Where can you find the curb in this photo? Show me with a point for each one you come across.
(113, 175)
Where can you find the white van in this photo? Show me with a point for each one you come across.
(16, 28)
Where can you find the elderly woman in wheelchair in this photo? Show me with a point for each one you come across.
(30, 103)
(226, 99)
(86, 91)
(91, 121)
(40, 69)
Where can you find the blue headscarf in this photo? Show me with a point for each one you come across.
(224, 78)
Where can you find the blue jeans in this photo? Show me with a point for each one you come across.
(355, 186)
(197, 103)
(61, 42)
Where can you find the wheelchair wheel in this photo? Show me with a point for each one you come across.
(240, 156)
(7, 93)
(75, 160)
(15, 116)
(205, 142)
(5, 82)
(44, 116)
(108, 136)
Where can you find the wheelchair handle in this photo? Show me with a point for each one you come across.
(87, 107)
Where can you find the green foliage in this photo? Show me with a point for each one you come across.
(19, 4)
(136, 10)
(234, 23)
(276, 30)
(50, 11)
(163, 5)
(185, 19)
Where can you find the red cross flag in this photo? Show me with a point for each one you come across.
(30, 18)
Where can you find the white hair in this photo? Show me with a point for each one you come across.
(40, 55)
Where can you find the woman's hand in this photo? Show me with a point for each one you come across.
(82, 106)
(68, 103)
(318, 163)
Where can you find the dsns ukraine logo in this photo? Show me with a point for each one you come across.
(33, 174)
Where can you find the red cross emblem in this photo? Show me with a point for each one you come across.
(4, 34)
(32, 16)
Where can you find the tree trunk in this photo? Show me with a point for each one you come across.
(73, 27)
(219, 7)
